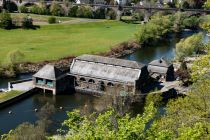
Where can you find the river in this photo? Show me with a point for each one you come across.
(23, 111)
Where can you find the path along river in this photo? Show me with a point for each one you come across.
(23, 111)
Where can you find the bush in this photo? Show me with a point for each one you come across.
(51, 20)
(155, 29)
(111, 14)
(191, 22)
(73, 11)
(85, 12)
(138, 16)
(185, 5)
(23, 9)
(56, 10)
(100, 13)
(34, 9)
(27, 22)
(5, 21)
(39, 10)
(189, 46)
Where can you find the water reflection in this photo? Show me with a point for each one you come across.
(163, 48)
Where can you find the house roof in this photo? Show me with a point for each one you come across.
(111, 61)
(158, 66)
(157, 69)
(48, 72)
(106, 68)
(160, 63)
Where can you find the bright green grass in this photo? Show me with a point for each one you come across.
(39, 17)
(8, 95)
(52, 42)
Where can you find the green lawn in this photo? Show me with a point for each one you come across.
(52, 42)
(9, 95)
(42, 19)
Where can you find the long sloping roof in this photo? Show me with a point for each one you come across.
(110, 61)
(102, 71)
(48, 72)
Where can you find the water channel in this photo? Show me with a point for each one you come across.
(23, 111)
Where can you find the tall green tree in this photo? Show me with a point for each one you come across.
(189, 46)
(108, 125)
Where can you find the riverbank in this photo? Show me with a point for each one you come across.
(4, 96)
(119, 50)
(13, 96)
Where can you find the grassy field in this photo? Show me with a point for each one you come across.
(9, 95)
(52, 42)
(39, 19)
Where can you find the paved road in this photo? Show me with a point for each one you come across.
(75, 21)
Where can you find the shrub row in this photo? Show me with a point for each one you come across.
(74, 11)
(6, 22)
(160, 25)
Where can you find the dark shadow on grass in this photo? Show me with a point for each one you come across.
(130, 21)
(34, 27)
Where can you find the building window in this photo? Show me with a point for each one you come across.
(82, 79)
(49, 83)
(91, 81)
(40, 81)
(110, 84)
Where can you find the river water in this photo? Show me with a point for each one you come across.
(23, 111)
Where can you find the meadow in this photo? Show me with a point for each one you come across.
(52, 42)
(39, 19)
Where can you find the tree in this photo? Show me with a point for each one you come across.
(51, 20)
(111, 14)
(37, 131)
(84, 11)
(207, 4)
(73, 11)
(157, 27)
(56, 9)
(5, 21)
(206, 26)
(200, 68)
(191, 45)
(100, 13)
(26, 131)
(187, 117)
(23, 9)
(108, 125)
(27, 23)
(191, 22)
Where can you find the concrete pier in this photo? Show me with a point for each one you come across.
(21, 85)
